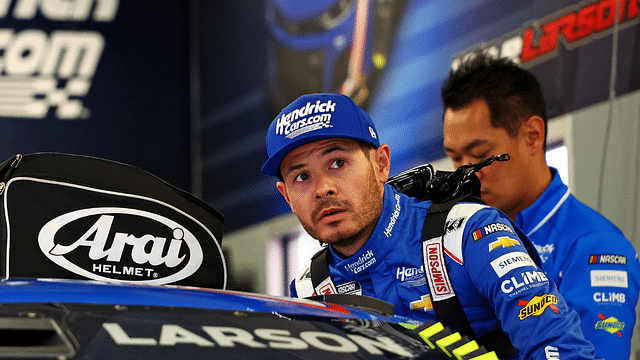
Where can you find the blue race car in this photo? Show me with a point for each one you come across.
(101, 260)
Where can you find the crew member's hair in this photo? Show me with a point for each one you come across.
(512, 93)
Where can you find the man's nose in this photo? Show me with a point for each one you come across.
(325, 187)
(466, 160)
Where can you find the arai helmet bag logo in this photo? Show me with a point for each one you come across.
(76, 217)
(121, 254)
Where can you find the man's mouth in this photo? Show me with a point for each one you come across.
(329, 212)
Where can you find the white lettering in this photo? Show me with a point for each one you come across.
(551, 353)
(171, 335)
(611, 297)
(364, 261)
(174, 334)
(528, 278)
(394, 217)
(67, 53)
(73, 53)
(101, 229)
(373, 346)
(62, 10)
(513, 260)
(286, 125)
(33, 63)
(280, 339)
(121, 338)
(404, 273)
(228, 336)
(147, 249)
(335, 343)
(124, 270)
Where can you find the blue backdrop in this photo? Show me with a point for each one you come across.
(250, 50)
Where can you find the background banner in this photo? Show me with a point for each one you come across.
(103, 78)
(392, 57)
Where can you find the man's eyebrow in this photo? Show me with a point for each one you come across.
(332, 149)
(469, 146)
(324, 152)
(294, 167)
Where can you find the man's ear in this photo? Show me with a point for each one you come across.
(283, 190)
(534, 133)
(382, 161)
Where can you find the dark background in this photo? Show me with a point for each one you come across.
(181, 87)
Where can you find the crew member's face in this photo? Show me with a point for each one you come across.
(335, 190)
(469, 138)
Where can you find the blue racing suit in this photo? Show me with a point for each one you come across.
(497, 282)
(594, 266)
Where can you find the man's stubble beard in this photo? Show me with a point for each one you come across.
(365, 221)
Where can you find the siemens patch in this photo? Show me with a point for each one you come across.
(607, 259)
(609, 278)
(510, 261)
(490, 229)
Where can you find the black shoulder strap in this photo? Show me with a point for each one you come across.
(320, 274)
(449, 311)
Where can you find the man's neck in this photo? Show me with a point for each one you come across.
(539, 182)
(348, 247)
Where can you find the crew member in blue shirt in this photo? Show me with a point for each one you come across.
(493, 106)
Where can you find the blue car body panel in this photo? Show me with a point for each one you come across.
(90, 292)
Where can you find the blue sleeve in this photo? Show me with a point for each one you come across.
(528, 305)
(601, 281)
(292, 289)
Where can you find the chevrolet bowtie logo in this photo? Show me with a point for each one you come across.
(424, 303)
(503, 241)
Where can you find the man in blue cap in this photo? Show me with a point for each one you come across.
(332, 169)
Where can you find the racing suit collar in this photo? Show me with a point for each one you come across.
(533, 217)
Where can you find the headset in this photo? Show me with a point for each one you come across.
(423, 183)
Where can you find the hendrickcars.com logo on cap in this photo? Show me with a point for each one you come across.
(315, 117)
(307, 118)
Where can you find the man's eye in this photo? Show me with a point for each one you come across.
(301, 177)
(337, 164)
(480, 157)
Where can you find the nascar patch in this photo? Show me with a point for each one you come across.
(537, 305)
(607, 259)
(490, 229)
(351, 288)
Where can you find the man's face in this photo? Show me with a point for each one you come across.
(469, 138)
(334, 189)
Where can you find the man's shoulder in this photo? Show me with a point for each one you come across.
(302, 285)
(581, 219)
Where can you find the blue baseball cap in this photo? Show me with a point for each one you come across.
(315, 117)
